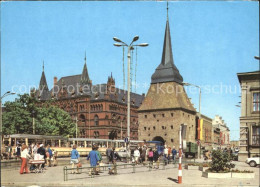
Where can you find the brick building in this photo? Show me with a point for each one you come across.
(98, 109)
(207, 139)
(166, 105)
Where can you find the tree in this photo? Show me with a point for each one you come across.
(49, 119)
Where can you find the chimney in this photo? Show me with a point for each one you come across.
(54, 81)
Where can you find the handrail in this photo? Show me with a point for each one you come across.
(150, 164)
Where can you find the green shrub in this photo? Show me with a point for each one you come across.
(221, 162)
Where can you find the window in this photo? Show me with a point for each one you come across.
(163, 115)
(172, 114)
(96, 120)
(162, 127)
(153, 127)
(172, 140)
(145, 116)
(256, 102)
(145, 128)
(154, 116)
(255, 135)
(171, 126)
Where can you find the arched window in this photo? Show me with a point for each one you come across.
(82, 118)
(96, 120)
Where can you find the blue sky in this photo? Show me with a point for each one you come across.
(211, 41)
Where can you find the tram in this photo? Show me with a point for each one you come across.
(63, 145)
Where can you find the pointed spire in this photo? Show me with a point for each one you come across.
(111, 75)
(167, 11)
(85, 58)
(43, 83)
(84, 76)
(167, 71)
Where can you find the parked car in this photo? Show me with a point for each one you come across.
(253, 161)
(123, 153)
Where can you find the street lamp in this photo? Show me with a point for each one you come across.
(189, 84)
(130, 47)
(1, 132)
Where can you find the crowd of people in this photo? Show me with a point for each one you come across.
(153, 155)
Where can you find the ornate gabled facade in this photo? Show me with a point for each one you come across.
(249, 141)
(166, 105)
(98, 109)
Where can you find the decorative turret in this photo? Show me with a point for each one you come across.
(111, 84)
(167, 71)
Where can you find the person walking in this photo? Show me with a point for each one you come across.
(165, 154)
(9, 151)
(169, 154)
(150, 157)
(99, 159)
(108, 153)
(93, 157)
(136, 155)
(74, 158)
(41, 150)
(174, 153)
(24, 156)
(18, 151)
(156, 158)
(113, 158)
(48, 155)
(143, 154)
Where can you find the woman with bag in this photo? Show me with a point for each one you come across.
(74, 158)
(24, 156)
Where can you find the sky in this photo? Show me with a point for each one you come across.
(211, 43)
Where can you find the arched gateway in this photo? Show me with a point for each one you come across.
(159, 138)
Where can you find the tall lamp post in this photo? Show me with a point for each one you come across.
(130, 47)
(1, 124)
(189, 84)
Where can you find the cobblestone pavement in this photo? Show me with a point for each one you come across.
(53, 176)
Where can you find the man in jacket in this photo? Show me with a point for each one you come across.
(93, 157)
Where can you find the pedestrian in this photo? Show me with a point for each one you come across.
(174, 153)
(150, 156)
(169, 154)
(9, 151)
(136, 155)
(140, 151)
(24, 156)
(99, 159)
(108, 153)
(41, 150)
(93, 157)
(48, 156)
(18, 151)
(156, 158)
(35, 148)
(113, 158)
(143, 154)
(165, 154)
(74, 158)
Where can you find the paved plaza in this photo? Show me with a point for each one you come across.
(54, 176)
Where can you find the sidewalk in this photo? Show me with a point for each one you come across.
(53, 176)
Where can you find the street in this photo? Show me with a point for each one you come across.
(53, 176)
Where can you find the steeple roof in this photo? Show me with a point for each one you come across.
(43, 83)
(167, 71)
(84, 76)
